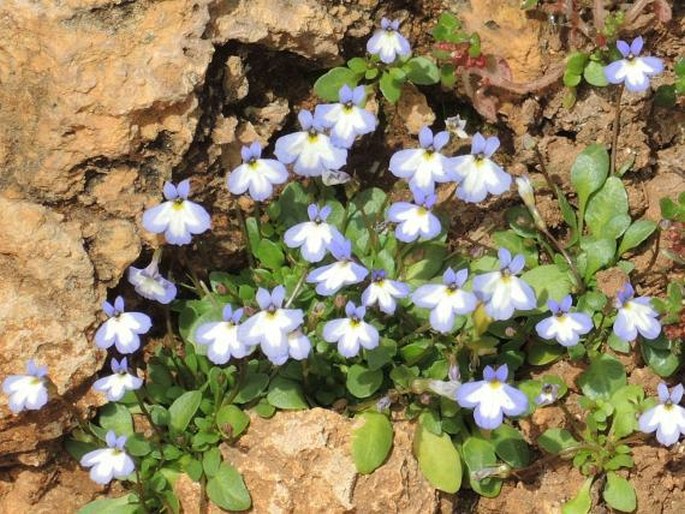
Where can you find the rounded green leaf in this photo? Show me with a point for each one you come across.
(554, 440)
(227, 490)
(328, 85)
(438, 459)
(510, 446)
(270, 254)
(183, 409)
(254, 384)
(478, 455)
(123, 505)
(286, 394)
(604, 377)
(117, 418)
(391, 88)
(594, 74)
(362, 382)
(663, 362)
(422, 71)
(233, 417)
(549, 282)
(371, 441)
(619, 494)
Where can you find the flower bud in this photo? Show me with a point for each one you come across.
(525, 190)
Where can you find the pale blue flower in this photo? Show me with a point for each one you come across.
(415, 220)
(299, 346)
(27, 392)
(564, 326)
(635, 315)
(121, 329)
(150, 284)
(384, 292)
(310, 151)
(423, 167)
(388, 43)
(348, 118)
(477, 174)
(178, 218)
(667, 418)
(221, 337)
(111, 462)
(632, 70)
(352, 332)
(492, 398)
(313, 237)
(271, 326)
(256, 175)
(331, 278)
(548, 395)
(116, 385)
(446, 300)
(502, 290)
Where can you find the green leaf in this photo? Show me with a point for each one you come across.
(663, 362)
(625, 402)
(572, 79)
(78, 449)
(234, 417)
(138, 446)
(183, 409)
(270, 254)
(617, 344)
(291, 206)
(541, 353)
(598, 253)
(636, 234)
(254, 385)
(426, 260)
(575, 63)
(588, 173)
(357, 65)
(594, 74)
(480, 454)
(123, 505)
(371, 441)
(117, 418)
(555, 440)
(607, 210)
(604, 377)
(619, 494)
(286, 394)
(362, 382)
(438, 459)
(227, 489)
(510, 446)
(211, 460)
(422, 71)
(328, 85)
(549, 282)
(391, 88)
(582, 502)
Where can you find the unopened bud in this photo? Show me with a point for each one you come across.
(525, 190)
(501, 471)
(548, 395)
(383, 403)
(448, 388)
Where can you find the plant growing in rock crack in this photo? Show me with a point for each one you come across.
(355, 300)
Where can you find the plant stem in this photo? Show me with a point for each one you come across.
(243, 228)
(617, 128)
(576, 275)
(297, 289)
(204, 507)
(141, 491)
(147, 415)
(545, 173)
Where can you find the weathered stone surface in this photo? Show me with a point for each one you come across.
(98, 101)
(300, 462)
(306, 27)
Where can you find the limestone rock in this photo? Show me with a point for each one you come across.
(307, 27)
(414, 110)
(300, 462)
